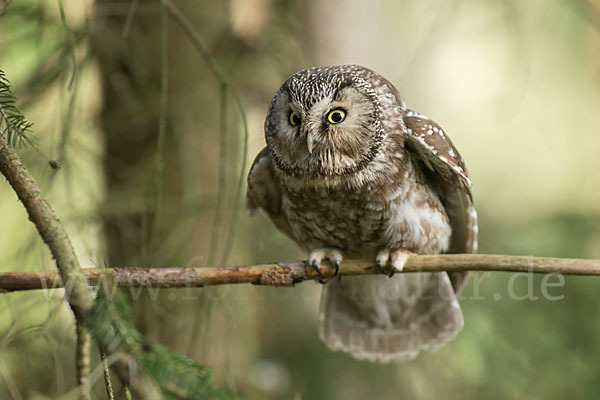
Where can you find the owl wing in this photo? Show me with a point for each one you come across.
(447, 172)
(264, 191)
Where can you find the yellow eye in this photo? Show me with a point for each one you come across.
(336, 116)
(295, 118)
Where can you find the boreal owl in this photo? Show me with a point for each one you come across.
(350, 171)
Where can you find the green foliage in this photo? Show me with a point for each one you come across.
(12, 122)
(178, 376)
(181, 376)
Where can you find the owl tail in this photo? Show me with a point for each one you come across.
(383, 319)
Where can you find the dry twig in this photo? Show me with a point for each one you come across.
(287, 274)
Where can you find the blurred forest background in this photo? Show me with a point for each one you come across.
(150, 143)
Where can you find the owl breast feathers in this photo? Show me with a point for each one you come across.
(350, 171)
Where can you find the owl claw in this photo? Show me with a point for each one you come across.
(396, 258)
(381, 268)
(315, 265)
(316, 256)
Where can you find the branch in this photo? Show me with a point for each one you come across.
(53, 234)
(55, 237)
(287, 274)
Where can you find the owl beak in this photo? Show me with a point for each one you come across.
(309, 142)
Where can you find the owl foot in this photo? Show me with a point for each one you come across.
(316, 256)
(396, 258)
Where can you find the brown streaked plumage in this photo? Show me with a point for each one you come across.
(350, 171)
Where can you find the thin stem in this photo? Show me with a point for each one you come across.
(83, 357)
(71, 41)
(217, 228)
(65, 134)
(130, 14)
(110, 393)
(241, 180)
(162, 118)
(189, 30)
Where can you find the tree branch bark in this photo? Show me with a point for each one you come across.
(290, 273)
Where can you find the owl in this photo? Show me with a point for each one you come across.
(350, 171)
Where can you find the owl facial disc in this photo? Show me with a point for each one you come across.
(327, 121)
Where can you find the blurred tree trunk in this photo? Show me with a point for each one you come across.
(127, 41)
(146, 221)
(200, 159)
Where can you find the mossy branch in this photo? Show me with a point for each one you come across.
(290, 273)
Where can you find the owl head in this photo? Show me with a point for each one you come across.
(331, 121)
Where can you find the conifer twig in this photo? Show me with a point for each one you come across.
(290, 273)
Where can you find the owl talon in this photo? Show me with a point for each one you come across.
(396, 259)
(316, 256)
(322, 279)
(381, 268)
(382, 259)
